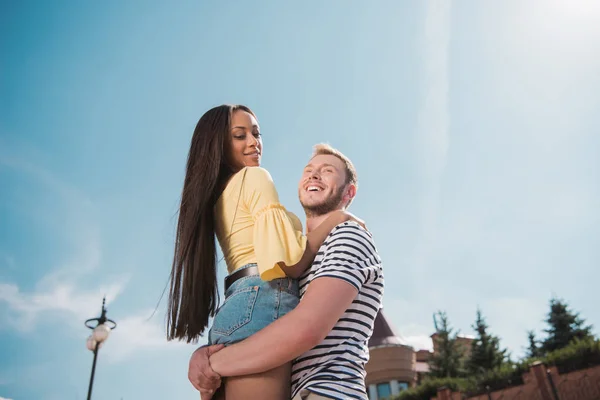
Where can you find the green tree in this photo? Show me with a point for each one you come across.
(533, 350)
(485, 349)
(446, 359)
(564, 326)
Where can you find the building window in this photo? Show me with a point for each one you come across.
(384, 390)
(402, 386)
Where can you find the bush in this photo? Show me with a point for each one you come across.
(580, 354)
(429, 388)
(499, 378)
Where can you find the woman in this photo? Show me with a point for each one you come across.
(263, 245)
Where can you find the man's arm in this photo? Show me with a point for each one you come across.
(200, 375)
(323, 304)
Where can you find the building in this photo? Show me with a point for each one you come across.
(464, 344)
(422, 365)
(394, 365)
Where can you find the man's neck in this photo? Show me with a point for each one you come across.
(315, 220)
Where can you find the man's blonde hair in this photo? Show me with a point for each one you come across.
(325, 149)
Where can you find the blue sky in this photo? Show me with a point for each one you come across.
(474, 129)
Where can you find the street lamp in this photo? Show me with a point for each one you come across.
(100, 331)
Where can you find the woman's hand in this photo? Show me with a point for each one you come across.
(346, 216)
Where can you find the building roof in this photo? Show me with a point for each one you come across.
(424, 355)
(384, 334)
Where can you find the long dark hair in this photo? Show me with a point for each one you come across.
(194, 295)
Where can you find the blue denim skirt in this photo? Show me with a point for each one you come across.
(251, 304)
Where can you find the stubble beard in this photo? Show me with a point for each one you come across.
(330, 204)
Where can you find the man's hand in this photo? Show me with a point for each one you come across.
(201, 375)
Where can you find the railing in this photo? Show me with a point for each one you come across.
(575, 386)
(541, 383)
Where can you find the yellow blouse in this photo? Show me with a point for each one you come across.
(253, 227)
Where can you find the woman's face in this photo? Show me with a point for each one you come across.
(246, 143)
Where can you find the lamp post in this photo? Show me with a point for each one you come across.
(101, 328)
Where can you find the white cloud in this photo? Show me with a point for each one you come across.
(434, 115)
(4, 398)
(433, 121)
(71, 304)
(71, 214)
(401, 314)
(135, 333)
(65, 292)
(419, 342)
(512, 203)
(25, 309)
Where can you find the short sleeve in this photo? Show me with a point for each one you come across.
(350, 255)
(277, 236)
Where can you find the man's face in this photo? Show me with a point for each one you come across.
(323, 187)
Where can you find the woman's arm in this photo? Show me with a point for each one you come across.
(315, 239)
(280, 247)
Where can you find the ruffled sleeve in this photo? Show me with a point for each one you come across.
(277, 235)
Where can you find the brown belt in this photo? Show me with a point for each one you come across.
(240, 273)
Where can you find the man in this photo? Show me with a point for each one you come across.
(327, 333)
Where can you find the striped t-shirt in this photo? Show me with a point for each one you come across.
(336, 367)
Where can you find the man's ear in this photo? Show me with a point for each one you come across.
(349, 193)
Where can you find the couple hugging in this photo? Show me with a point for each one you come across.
(299, 307)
